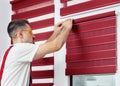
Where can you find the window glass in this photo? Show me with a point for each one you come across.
(93, 80)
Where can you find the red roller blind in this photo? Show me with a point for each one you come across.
(89, 5)
(91, 46)
(40, 14)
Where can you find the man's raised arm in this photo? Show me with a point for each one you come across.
(55, 43)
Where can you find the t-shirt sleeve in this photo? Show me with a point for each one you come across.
(26, 52)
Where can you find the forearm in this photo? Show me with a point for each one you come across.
(52, 37)
(56, 41)
(57, 30)
(62, 37)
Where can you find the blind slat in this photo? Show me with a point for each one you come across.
(63, 1)
(34, 13)
(42, 74)
(98, 55)
(43, 61)
(92, 70)
(43, 36)
(91, 41)
(44, 84)
(42, 23)
(19, 4)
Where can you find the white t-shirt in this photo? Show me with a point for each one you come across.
(17, 66)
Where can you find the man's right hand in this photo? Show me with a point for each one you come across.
(67, 24)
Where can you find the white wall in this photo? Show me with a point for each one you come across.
(117, 75)
(5, 17)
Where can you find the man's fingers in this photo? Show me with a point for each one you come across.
(58, 24)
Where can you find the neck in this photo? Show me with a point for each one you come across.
(14, 41)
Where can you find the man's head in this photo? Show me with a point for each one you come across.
(20, 31)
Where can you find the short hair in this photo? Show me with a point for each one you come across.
(14, 25)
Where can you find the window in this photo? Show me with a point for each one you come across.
(93, 80)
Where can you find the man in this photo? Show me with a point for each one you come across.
(17, 66)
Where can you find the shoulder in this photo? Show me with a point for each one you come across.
(24, 46)
(18, 45)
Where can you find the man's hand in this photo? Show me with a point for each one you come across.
(67, 24)
(58, 27)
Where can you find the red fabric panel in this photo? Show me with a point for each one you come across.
(42, 23)
(89, 35)
(84, 35)
(63, 1)
(34, 13)
(43, 36)
(92, 63)
(92, 70)
(91, 46)
(87, 56)
(94, 17)
(42, 74)
(91, 41)
(92, 4)
(45, 84)
(43, 61)
(18, 4)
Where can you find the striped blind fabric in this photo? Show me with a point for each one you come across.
(40, 14)
(42, 72)
(91, 46)
(84, 6)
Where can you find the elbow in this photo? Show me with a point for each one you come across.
(58, 47)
